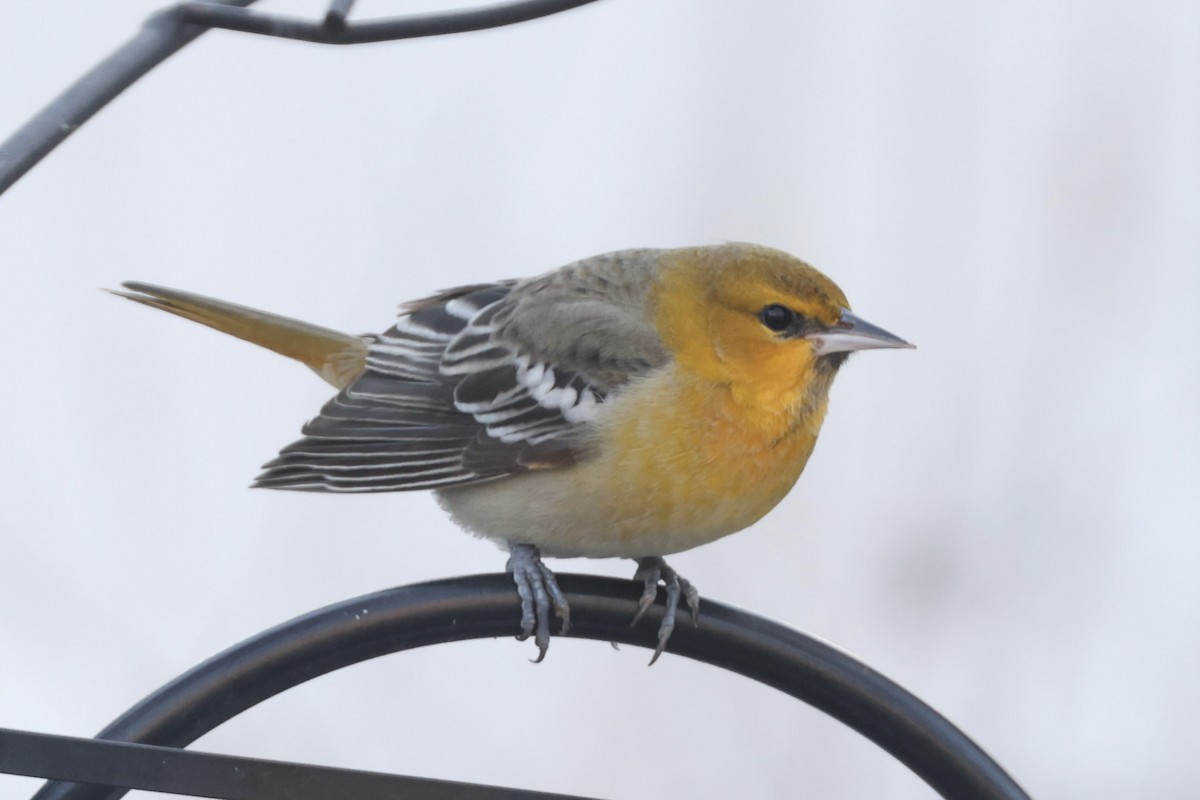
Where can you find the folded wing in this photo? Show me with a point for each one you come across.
(481, 382)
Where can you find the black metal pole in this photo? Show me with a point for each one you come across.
(169, 30)
(386, 29)
(195, 774)
(486, 606)
(162, 35)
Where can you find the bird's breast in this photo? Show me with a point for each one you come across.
(673, 463)
(685, 464)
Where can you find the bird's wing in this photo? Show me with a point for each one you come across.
(475, 384)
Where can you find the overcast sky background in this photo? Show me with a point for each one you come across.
(1006, 521)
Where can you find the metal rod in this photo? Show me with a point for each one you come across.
(169, 30)
(376, 30)
(187, 772)
(160, 37)
(338, 11)
(485, 606)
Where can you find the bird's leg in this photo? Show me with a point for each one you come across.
(650, 572)
(539, 590)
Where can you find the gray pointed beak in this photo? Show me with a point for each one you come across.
(854, 333)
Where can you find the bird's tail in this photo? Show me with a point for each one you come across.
(339, 358)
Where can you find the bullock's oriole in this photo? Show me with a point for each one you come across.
(630, 405)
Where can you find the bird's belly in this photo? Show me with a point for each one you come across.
(660, 483)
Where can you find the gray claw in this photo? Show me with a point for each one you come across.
(539, 590)
(651, 571)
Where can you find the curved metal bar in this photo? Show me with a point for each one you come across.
(334, 29)
(160, 38)
(169, 30)
(486, 606)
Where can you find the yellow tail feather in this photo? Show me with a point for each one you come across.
(338, 358)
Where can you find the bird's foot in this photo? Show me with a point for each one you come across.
(651, 571)
(539, 591)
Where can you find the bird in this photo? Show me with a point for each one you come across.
(634, 405)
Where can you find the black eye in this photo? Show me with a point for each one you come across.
(777, 317)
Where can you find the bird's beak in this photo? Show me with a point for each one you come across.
(853, 333)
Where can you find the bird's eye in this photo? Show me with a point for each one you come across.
(777, 317)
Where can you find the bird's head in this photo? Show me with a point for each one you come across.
(769, 325)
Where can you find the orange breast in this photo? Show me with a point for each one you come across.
(676, 462)
(684, 463)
